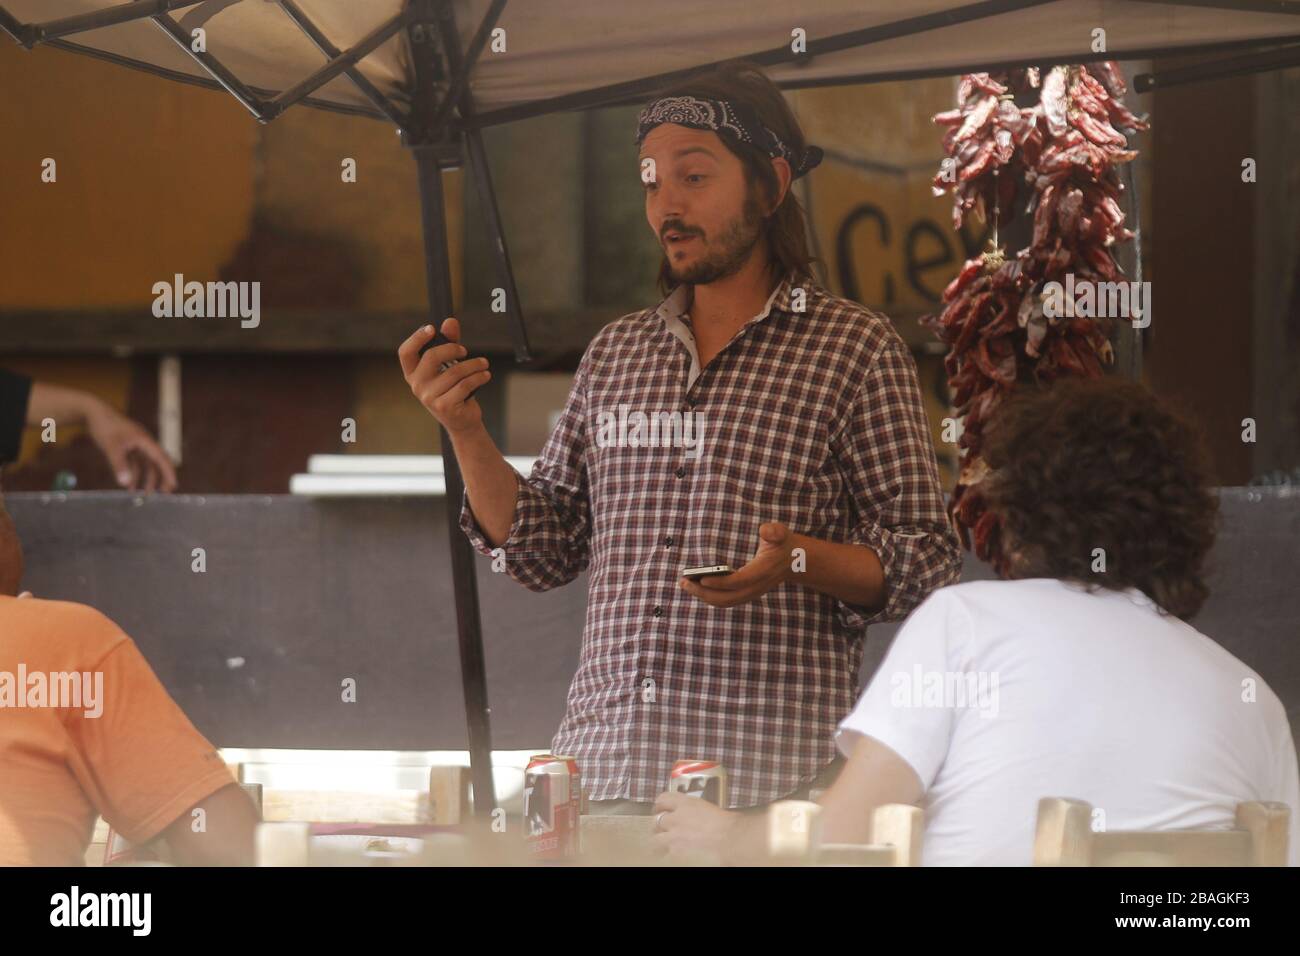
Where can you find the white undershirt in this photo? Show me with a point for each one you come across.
(675, 313)
(999, 693)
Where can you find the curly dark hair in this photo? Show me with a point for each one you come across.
(1101, 463)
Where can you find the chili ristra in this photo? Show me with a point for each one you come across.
(1056, 159)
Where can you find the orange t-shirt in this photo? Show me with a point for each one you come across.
(138, 762)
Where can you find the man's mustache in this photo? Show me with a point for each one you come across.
(679, 228)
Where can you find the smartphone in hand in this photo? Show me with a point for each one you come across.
(707, 571)
(439, 339)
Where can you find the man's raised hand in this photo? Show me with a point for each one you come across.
(447, 394)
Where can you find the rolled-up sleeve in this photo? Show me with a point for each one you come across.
(886, 454)
(549, 542)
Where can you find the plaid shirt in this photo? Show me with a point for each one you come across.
(811, 417)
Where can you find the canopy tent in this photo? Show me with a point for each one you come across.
(436, 70)
(565, 54)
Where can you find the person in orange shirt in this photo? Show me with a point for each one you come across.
(87, 729)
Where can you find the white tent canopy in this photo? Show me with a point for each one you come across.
(557, 48)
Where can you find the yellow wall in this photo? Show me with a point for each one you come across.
(154, 177)
(299, 181)
(389, 419)
(882, 150)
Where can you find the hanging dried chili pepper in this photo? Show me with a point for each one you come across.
(1064, 152)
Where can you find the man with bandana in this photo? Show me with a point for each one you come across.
(750, 419)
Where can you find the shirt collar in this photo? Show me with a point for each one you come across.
(793, 279)
(676, 303)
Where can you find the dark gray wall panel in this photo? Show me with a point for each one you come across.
(306, 593)
(309, 592)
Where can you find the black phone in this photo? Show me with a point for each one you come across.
(439, 339)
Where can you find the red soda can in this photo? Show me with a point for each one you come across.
(705, 779)
(552, 799)
(574, 774)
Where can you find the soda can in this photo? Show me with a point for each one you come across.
(551, 804)
(574, 772)
(576, 776)
(705, 779)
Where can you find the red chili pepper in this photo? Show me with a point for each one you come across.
(1099, 131)
(1109, 73)
(1063, 152)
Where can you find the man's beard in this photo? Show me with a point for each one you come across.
(729, 253)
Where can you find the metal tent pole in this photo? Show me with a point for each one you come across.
(433, 149)
(1281, 58)
(460, 66)
(294, 13)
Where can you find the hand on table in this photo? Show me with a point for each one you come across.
(687, 826)
(767, 569)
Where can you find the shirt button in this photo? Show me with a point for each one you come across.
(681, 472)
(658, 611)
(668, 541)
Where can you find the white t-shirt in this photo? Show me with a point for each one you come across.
(999, 693)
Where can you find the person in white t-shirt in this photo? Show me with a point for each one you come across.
(1076, 676)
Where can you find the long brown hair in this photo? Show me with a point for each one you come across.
(744, 81)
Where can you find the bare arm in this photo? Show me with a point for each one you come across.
(851, 572)
(137, 460)
(873, 776)
(65, 405)
(490, 482)
(227, 838)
